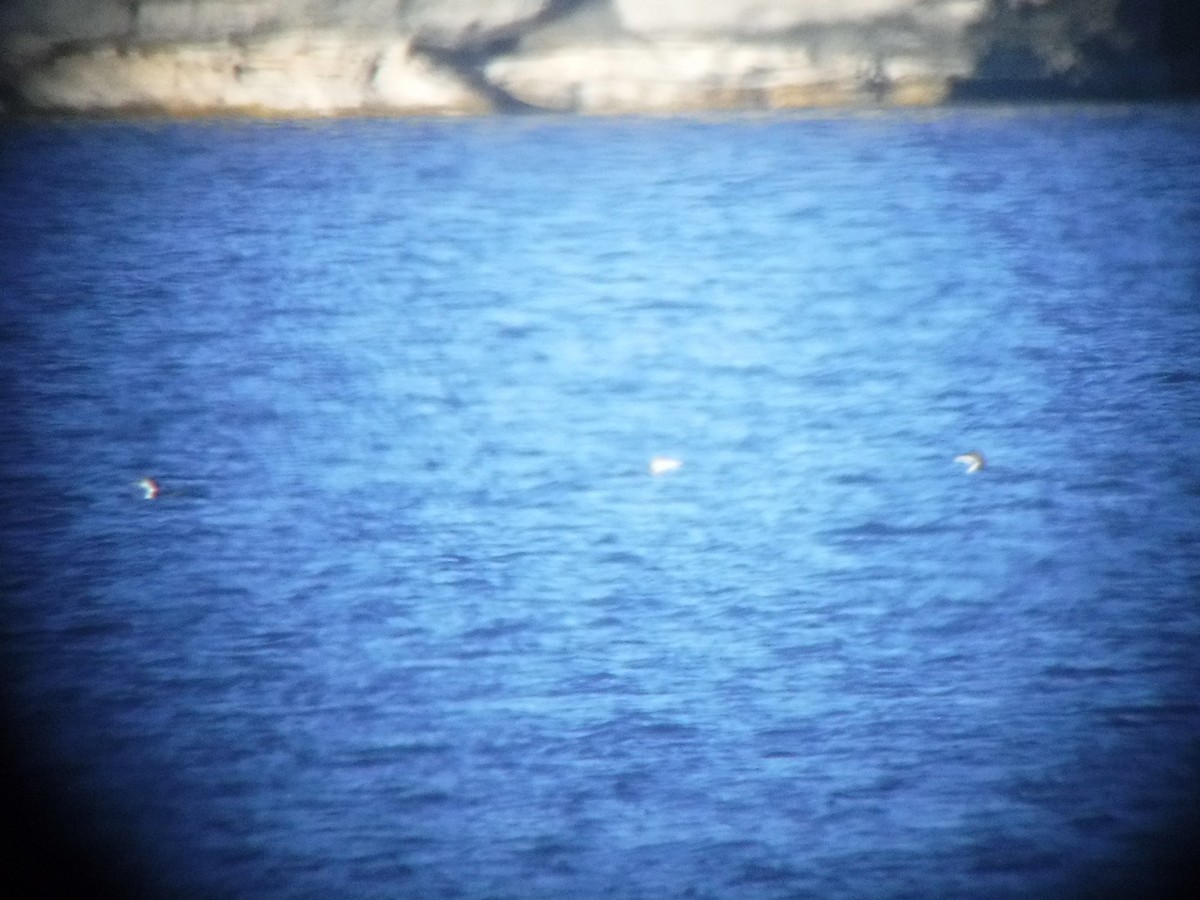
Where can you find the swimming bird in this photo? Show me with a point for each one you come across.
(150, 488)
(660, 465)
(974, 461)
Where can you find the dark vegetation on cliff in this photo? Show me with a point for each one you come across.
(1085, 49)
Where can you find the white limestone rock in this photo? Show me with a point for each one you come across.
(672, 55)
(317, 57)
(666, 76)
(296, 73)
(772, 17)
(447, 23)
(905, 59)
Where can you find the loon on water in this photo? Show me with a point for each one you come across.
(973, 461)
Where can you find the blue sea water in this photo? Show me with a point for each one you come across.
(411, 617)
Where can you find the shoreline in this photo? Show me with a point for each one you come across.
(998, 106)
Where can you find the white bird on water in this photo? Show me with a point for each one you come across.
(661, 465)
(974, 461)
(149, 488)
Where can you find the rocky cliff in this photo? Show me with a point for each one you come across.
(328, 57)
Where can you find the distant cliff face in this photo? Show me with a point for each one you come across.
(327, 57)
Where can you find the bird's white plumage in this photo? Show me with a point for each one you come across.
(973, 461)
(661, 465)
